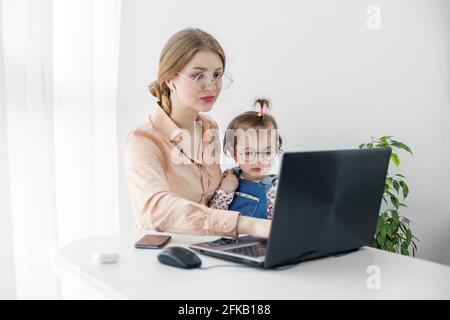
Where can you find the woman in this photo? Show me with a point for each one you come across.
(170, 178)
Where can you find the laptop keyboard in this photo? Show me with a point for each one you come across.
(257, 250)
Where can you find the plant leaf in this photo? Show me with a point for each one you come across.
(395, 201)
(408, 237)
(401, 145)
(405, 219)
(395, 216)
(396, 185)
(394, 228)
(389, 245)
(388, 230)
(395, 159)
(405, 189)
(389, 181)
(384, 142)
(382, 237)
(404, 249)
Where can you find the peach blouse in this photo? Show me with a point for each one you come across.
(170, 187)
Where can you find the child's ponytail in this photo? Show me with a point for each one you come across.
(251, 119)
(263, 105)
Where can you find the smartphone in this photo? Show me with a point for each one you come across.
(152, 241)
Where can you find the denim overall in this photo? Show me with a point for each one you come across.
(250, 198)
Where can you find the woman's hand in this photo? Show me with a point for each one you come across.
(229, 182)
(258, 228)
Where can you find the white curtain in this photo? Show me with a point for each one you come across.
(60, 63)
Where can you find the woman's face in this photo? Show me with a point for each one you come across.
(202, 96)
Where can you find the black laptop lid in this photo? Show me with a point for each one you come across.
(327, 202)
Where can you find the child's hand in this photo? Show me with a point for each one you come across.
(229, 181)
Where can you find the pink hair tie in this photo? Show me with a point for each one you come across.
(261, 110)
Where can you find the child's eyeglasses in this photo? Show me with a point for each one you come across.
(204, 80)
(250, 154)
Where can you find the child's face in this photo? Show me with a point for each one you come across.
(256, 152)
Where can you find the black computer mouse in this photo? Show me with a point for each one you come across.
(179, 257)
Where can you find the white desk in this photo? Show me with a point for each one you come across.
(139, 275)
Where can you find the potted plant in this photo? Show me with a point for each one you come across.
(393, 232)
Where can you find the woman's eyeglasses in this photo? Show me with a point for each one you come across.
(203, 80)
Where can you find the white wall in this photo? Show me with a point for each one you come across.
(333, 82)
(7, 280)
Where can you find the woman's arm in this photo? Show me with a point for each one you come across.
(156, 206)
(255, 227)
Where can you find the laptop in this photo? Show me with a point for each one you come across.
(327, 204)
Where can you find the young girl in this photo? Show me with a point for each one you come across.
(252, 140)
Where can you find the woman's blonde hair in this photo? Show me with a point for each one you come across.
(251, 120)
(176, 53)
